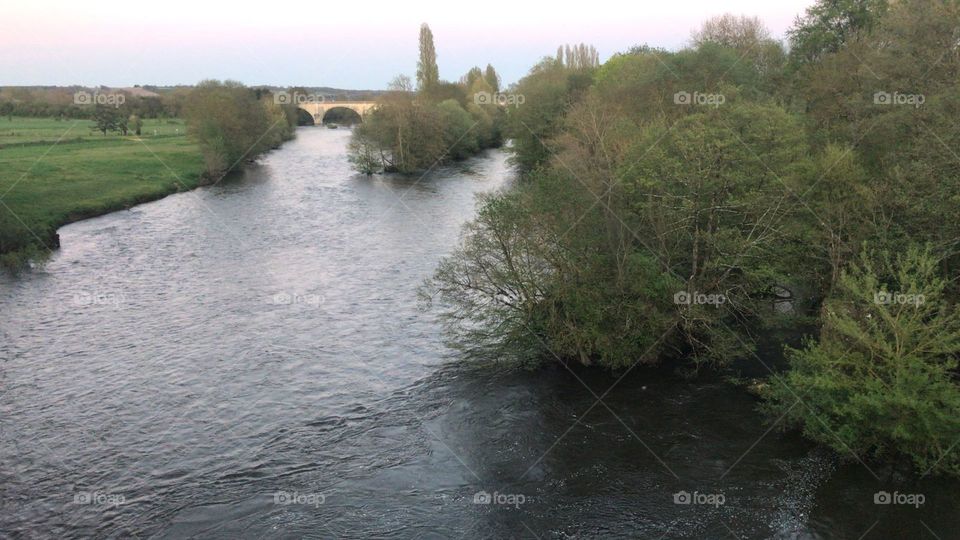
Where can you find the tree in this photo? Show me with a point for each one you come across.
(880, 381)
(828, 25)
(490, 75)
(746, 35)
(363, 153)
(459, 135)
(578, 57)
(428, 74)
(135, 123)
(850, 97)
(708, 203)
(471, 77)
(742, 33)
(106, 118)
(548, 90)
(231, 124)
(414, 131)
(401, 83)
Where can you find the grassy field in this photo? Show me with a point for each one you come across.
(37, 130)
(44, 184)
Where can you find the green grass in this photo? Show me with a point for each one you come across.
(46, 185)
(36, 130)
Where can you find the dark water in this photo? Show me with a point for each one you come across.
(248, 361)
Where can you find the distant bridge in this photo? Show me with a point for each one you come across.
(319, 110)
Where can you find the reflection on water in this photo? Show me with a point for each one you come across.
(248, 360)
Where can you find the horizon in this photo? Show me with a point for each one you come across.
(97, 45)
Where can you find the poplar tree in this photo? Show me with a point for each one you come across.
(490, 75)
(428, 75)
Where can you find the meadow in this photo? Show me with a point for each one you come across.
(56, 172)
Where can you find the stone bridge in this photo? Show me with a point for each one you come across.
(319, 110)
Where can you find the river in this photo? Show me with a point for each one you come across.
(248, 360)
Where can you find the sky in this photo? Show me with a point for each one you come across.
(342, 44)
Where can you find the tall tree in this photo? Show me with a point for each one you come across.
(578, 57)
(471, 77)
(737, 32)
(428, 75)
(490, 75)
(828, 24)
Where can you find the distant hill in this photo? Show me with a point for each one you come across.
(155, 91)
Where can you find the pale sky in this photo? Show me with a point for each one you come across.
(343, 44)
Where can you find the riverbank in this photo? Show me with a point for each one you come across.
(45, 186)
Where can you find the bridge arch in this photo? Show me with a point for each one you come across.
(304, 118)
(319, 110)
(342, 115)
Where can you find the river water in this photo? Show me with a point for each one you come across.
(248, 360)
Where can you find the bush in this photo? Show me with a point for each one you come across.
(17, 244)
(881, 380)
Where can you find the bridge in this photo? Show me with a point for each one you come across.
(318, 110)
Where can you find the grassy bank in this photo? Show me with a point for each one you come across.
(45, 184)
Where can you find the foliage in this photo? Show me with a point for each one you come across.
(135, 123)
(880, 382)
(828, 25)
(428, 74)
(231, 124)
(491, 78)
(106, 118)
(730, 170)
(520, 286)
(618, 226)
(548, 90)
(578, 57)
(59, 102)
(749, 38)
(906, 148)
(413, 131)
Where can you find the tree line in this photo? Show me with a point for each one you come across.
(414, 128)
(60, 102)
(670, 202)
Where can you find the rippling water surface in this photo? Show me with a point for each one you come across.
(248, 360)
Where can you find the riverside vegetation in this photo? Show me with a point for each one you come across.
(667, 199)
(416, 128)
